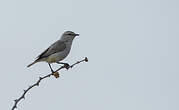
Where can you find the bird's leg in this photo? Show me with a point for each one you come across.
(56, 74)
(66, 65)
(50, 68)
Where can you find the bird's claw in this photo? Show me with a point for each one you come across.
(67, 66)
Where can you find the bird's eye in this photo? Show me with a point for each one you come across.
(70, 34)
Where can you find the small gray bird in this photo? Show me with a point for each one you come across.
(58, 50)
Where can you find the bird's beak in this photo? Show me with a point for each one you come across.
(77, 34)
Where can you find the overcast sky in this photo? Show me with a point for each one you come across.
(132, 46)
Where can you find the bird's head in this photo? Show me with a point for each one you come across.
(68, 36)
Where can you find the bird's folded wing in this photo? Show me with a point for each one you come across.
(54, 48)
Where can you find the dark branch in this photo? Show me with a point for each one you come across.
(55, 73)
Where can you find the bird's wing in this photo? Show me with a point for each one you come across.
(54, 48)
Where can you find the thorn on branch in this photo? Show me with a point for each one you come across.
(23, 97)
(37, 84)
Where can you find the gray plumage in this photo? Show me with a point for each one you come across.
(56, 47)
(58, 50)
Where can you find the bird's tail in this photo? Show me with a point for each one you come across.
(32, 63)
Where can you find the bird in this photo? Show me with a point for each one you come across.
(57, 51)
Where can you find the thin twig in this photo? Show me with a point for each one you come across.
(40, 79)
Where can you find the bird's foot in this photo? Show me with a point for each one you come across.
(56, 74)
(66, 65)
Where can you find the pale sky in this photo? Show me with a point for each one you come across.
(132, 46)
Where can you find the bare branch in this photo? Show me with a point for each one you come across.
(55, 73)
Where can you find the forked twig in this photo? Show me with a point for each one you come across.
(41, 78)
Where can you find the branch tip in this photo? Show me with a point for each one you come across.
(86, 59)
